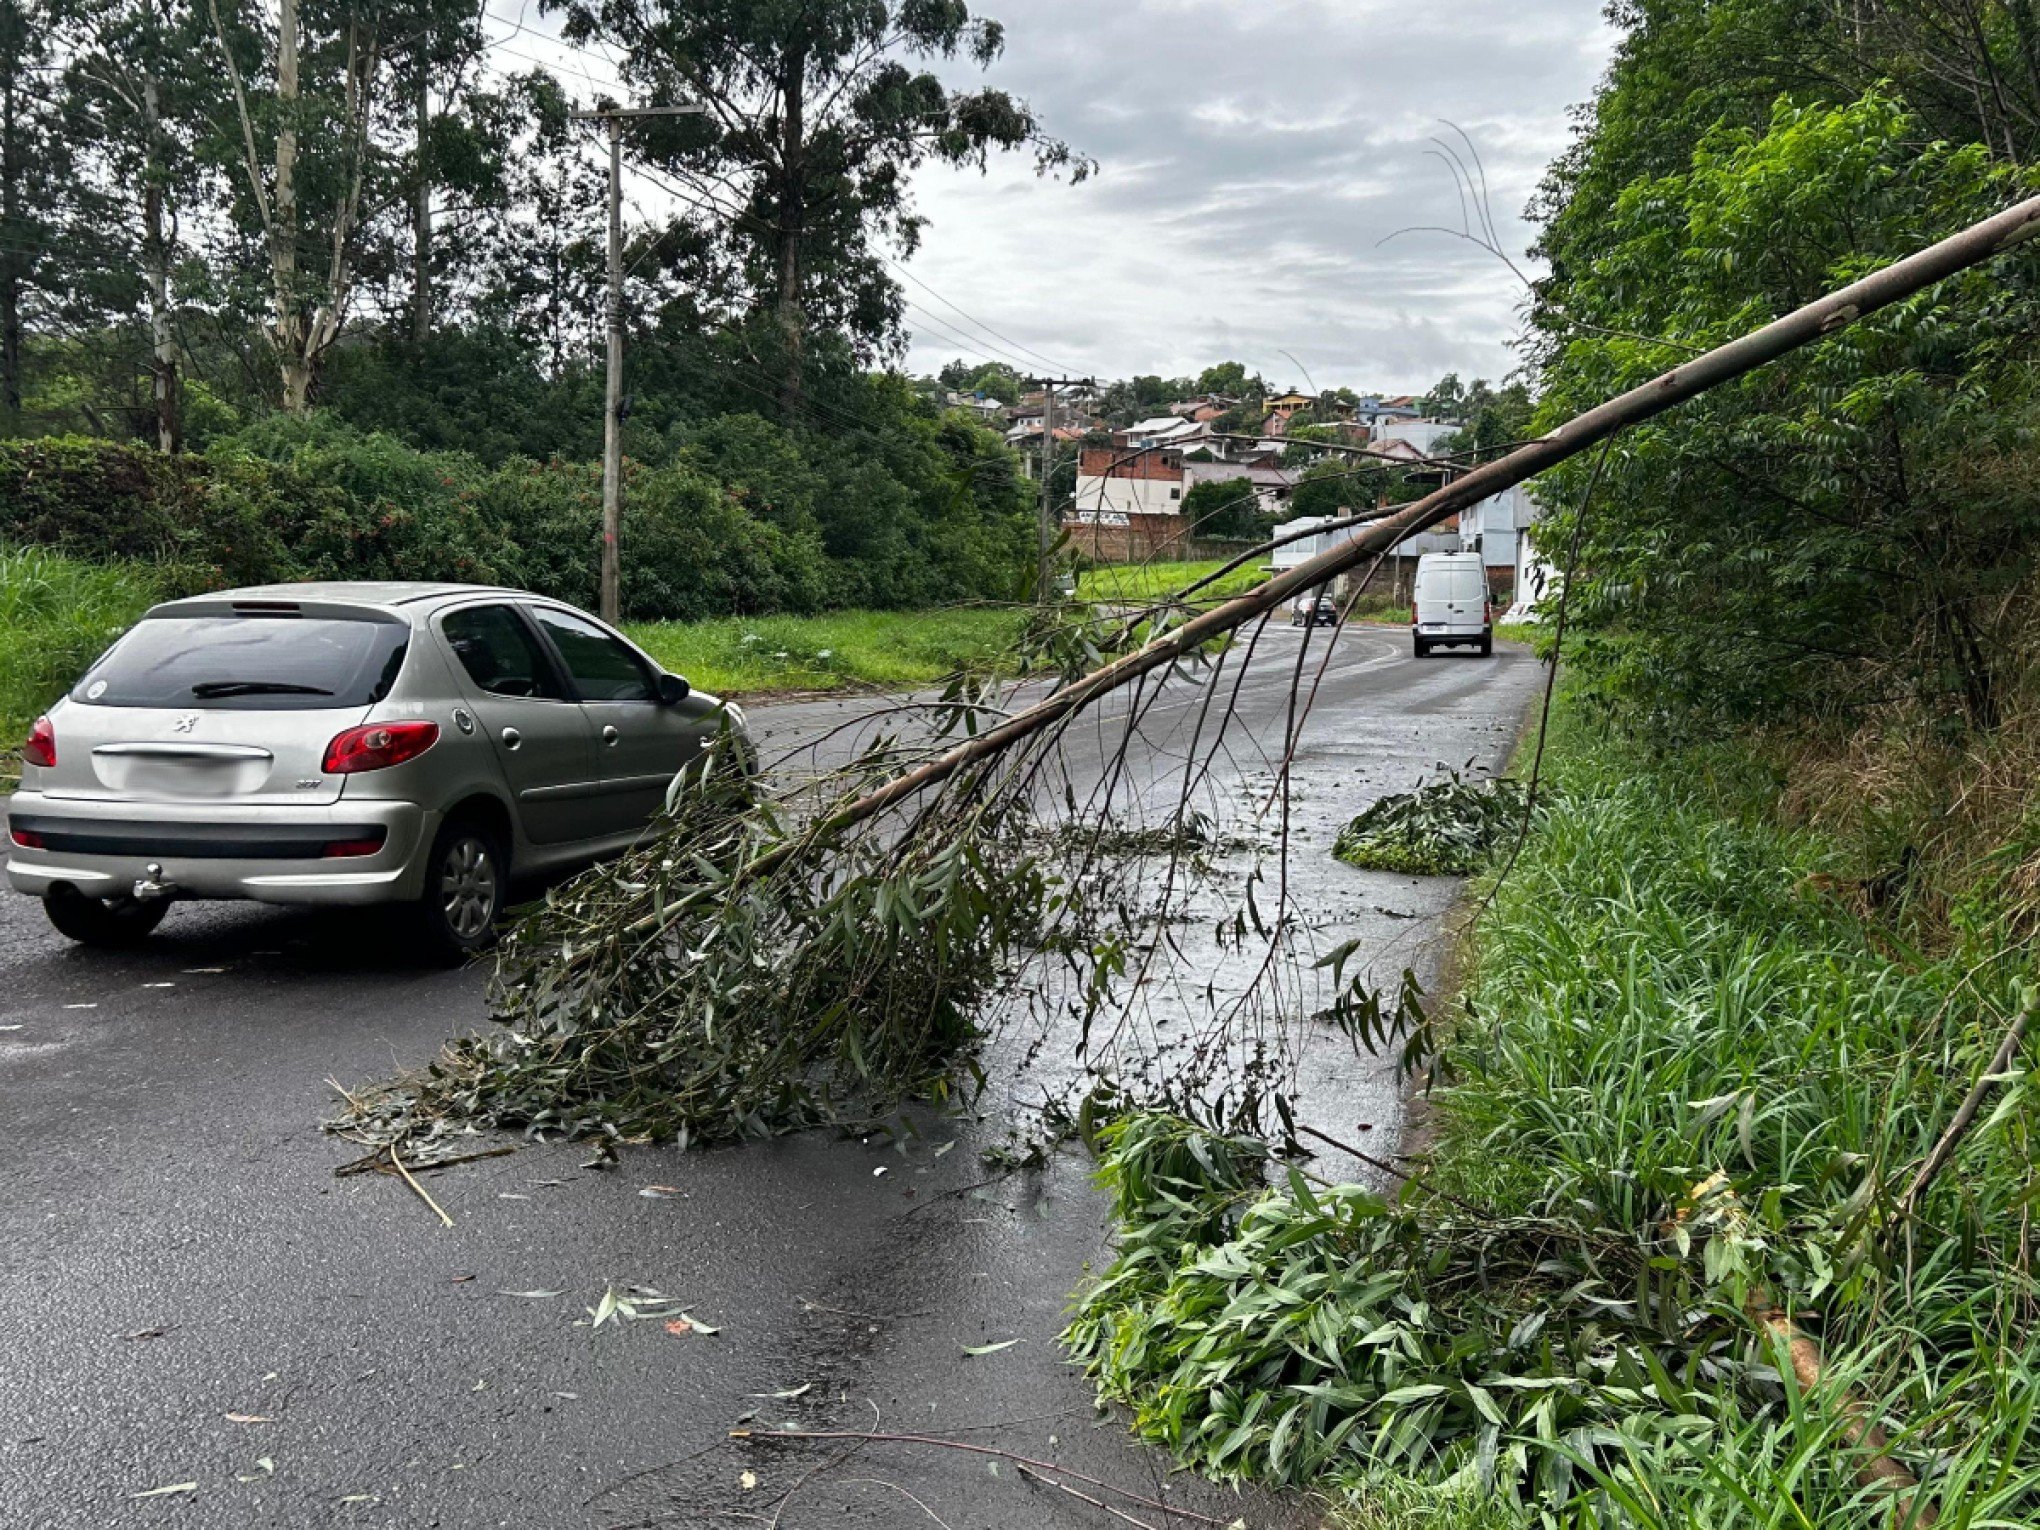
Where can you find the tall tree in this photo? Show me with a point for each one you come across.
(131, 67)
(817, 112)
(292, 141)
(37, 188)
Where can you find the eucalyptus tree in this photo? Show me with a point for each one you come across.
(818, 111)
(321, 155)
(130, 69)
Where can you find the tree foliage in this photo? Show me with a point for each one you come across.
(1853, 523)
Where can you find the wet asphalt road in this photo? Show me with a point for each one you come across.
(189, 1296)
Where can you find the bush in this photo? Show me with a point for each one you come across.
(747, 518)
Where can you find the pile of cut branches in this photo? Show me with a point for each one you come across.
(1444, 829)
(742, 973)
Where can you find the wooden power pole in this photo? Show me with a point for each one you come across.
(1044, 584)
(612, 411)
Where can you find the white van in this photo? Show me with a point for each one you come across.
(1450, 603)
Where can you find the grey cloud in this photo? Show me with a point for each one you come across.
(1253, 157)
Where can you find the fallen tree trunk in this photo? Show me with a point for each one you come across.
(1839, 309)
(1823, 316)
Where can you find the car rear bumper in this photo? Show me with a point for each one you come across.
(206, 850)
(1452, 632)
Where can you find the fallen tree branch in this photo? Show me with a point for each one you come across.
(1860, 1428)
(1878, 1469)
(1414, 1181)
(1966, 1113)
(1823, 316)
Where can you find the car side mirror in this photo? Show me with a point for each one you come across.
(673, 689)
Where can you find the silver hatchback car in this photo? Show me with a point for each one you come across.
(347, 743)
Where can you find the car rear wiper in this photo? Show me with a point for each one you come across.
(210, 689)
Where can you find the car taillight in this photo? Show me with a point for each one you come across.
(377, 746)
(28, 839)
(41, 748)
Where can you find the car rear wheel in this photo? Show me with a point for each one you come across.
(1487, 644)
(465, 880)
(109, 922)
(1423, 648)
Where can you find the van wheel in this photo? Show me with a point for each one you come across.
(465, 880)
(107, 922)
(1423, 648)
(1487, 644)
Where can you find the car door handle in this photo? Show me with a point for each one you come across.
(512, 738)
(609, 733)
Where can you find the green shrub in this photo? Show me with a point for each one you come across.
(746, 519)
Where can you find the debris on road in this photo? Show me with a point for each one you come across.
(1444, 829)
(165, 1492)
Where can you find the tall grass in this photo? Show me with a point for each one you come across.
(56, 615)
(1674, 984)
(751, 655)
(1111, 582)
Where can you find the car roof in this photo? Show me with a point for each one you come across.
(353, 592)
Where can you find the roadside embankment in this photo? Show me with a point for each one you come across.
(1700, 1062)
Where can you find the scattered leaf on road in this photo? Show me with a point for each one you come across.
(267, 1468)
(249, 1418)
(660, 1192)
(145, 1333)
(82, 1006)
(789, 1394)
(747, 1481)
(989, 1349)
(679, 1327)
(537, 1296)
(165, 1492)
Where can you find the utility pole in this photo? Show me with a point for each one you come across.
(612, 411)
(1044, 586)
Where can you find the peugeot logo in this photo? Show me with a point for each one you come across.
(185, 723)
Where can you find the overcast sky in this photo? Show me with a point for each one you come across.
(1252, 158)
(1253, 154)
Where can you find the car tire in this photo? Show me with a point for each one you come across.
(110, 923)
(1423, 649)
(466, 878)
(1487, 645)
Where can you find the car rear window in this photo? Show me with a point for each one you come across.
(248, 663)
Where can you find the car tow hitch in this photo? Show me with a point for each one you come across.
(152, 884)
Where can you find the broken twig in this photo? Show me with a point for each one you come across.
(1966, 1113)
(438, 1209)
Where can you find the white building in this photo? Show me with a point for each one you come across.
(1098, 495)
(1424, 435)
(1494, 528)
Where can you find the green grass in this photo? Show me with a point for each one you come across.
(1112, 582)
(1672, 985)
(744, 656)
(56, 615)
